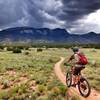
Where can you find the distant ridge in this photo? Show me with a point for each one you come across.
(45, 35)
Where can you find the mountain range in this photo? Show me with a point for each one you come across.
(45, 35)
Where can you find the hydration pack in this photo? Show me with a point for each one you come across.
(82, 59)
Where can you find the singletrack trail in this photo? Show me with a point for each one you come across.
(94, 94)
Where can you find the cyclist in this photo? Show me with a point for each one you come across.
(78, 62)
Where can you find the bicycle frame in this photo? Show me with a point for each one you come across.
(78, 77)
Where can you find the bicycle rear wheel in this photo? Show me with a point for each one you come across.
(68, 79)
(84, 87)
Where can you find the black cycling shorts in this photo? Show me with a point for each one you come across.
(77, 70)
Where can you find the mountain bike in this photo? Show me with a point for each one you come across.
(83, 84)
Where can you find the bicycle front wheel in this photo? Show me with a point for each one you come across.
(68, 79)
(84, 87)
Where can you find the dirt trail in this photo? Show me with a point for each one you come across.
(94, 94)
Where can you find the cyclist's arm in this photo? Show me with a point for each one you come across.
(71, 58)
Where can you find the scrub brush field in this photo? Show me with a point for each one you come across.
(29, 75)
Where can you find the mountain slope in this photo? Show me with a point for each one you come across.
(28, 34)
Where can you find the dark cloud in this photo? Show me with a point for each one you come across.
(46, 13)
(34, 13)
(76, 9)
(10, 11)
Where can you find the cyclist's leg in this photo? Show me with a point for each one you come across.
(76, 73)
(76, 70)
(81, 67)
(75, 76)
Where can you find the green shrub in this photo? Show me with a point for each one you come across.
(4, 95)
(41, 81)
(41, 88)
(17, 50)
(52, 96)
(2, 47)
(42, 98)
(26, 48)
(27, 53)
(5, 84)
(14, 90)
(9, 48)
(35, 95)
(63, 90)
(22, 88)
(20, 47)
(1, 50)
(56, 90)
(19, 89)
(53, 60)
(75, 98)
(39, 50)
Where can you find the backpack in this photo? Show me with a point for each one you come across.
(82, 59)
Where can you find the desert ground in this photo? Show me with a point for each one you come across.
(30, 75)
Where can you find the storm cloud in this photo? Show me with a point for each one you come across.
(75, 9)
(72, 15)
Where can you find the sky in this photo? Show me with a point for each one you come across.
(76, 16)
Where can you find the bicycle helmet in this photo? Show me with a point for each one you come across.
(75, 49)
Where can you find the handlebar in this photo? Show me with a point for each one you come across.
(67, 64)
